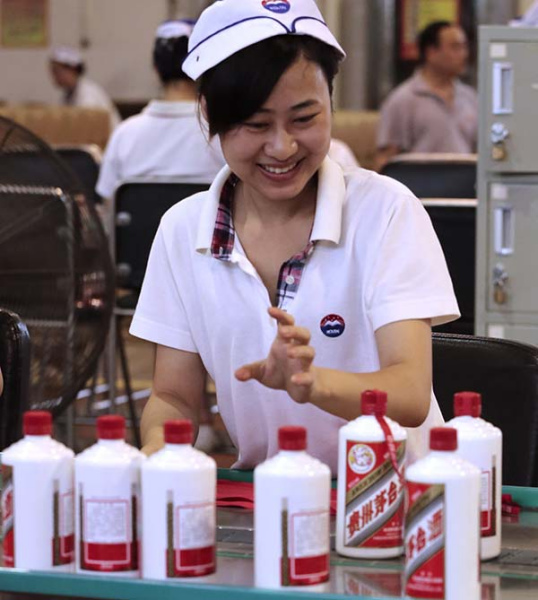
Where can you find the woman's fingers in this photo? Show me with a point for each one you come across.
(287, 329)
(303, 379)
(303, 353)
(297, 335)
(251, 371)
(282, 317)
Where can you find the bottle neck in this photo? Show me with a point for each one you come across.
(115, 442)
(442, 453)
(30, 436)
(291, 452)
(170, 446)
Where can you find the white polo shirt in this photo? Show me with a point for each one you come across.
(376, 261)
(164, 140)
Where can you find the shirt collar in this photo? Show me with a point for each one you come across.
(166, 108)
(329, 206)
(420, 86)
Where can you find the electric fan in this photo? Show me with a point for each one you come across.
(55, 266)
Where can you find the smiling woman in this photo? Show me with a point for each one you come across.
(335, 279)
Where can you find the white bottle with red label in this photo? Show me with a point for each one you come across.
(481, 443)
(178, 508)
(291, 516)
(37, 509)
(370, 499)
(107, 488)
(442, 523)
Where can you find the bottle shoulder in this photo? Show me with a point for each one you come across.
(117, 453)
(293, 464)
(441, 466)
(40, 449)
(181, 458)
(368, 428)
(474, 427)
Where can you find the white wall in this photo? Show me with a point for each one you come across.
(118, 35)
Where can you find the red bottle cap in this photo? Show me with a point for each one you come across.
(467, 404)
(111, 427)
(178, 432)
(292, 437)
(374, 402)
(443, 438)
(37, 422)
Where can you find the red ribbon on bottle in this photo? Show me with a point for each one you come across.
(391, 445)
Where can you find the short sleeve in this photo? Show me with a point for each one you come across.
(393, 127)
(409, 278)
(109, 173)
(160, 315)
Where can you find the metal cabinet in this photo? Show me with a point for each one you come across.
(507, 216)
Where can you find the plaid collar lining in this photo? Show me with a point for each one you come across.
(223, 240)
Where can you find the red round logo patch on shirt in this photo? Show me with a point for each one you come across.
(332, 326)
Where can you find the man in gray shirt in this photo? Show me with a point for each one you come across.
(433, 111)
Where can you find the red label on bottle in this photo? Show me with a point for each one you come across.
(191, 540)
(67, 550)
(109, 538)
(63, 541)
(7, 517)
(488, 512)
(374, 495)
(305, 545)
(308, 570)
(425, 541)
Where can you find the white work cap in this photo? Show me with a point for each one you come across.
(174, 29)
(228, 26)
(67, 55)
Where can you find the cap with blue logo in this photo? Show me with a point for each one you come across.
(228, 26)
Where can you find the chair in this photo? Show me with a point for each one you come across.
(15, 367)
(85, 161)
(446, 184)
(506, 374)
(62, 124)
(454, 222)
(138, 208)
(435, 175)
(358, 129)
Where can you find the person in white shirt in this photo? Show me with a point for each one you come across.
(167, 139)
(335, 278)
(68, 73)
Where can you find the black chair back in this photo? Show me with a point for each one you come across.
(435, 175)
(454, 222)
(446, 184)
(139, 207)
(85, 162)
(15, 367)
(506, 374)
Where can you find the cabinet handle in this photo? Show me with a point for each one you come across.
(503, 88)
(504, 230)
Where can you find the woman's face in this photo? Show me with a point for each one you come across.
(276, 152)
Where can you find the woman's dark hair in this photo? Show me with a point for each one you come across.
(168, 56)
(236, 88)
(429, 38)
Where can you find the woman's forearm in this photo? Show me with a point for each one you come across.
(339, 392)
(161, 408)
